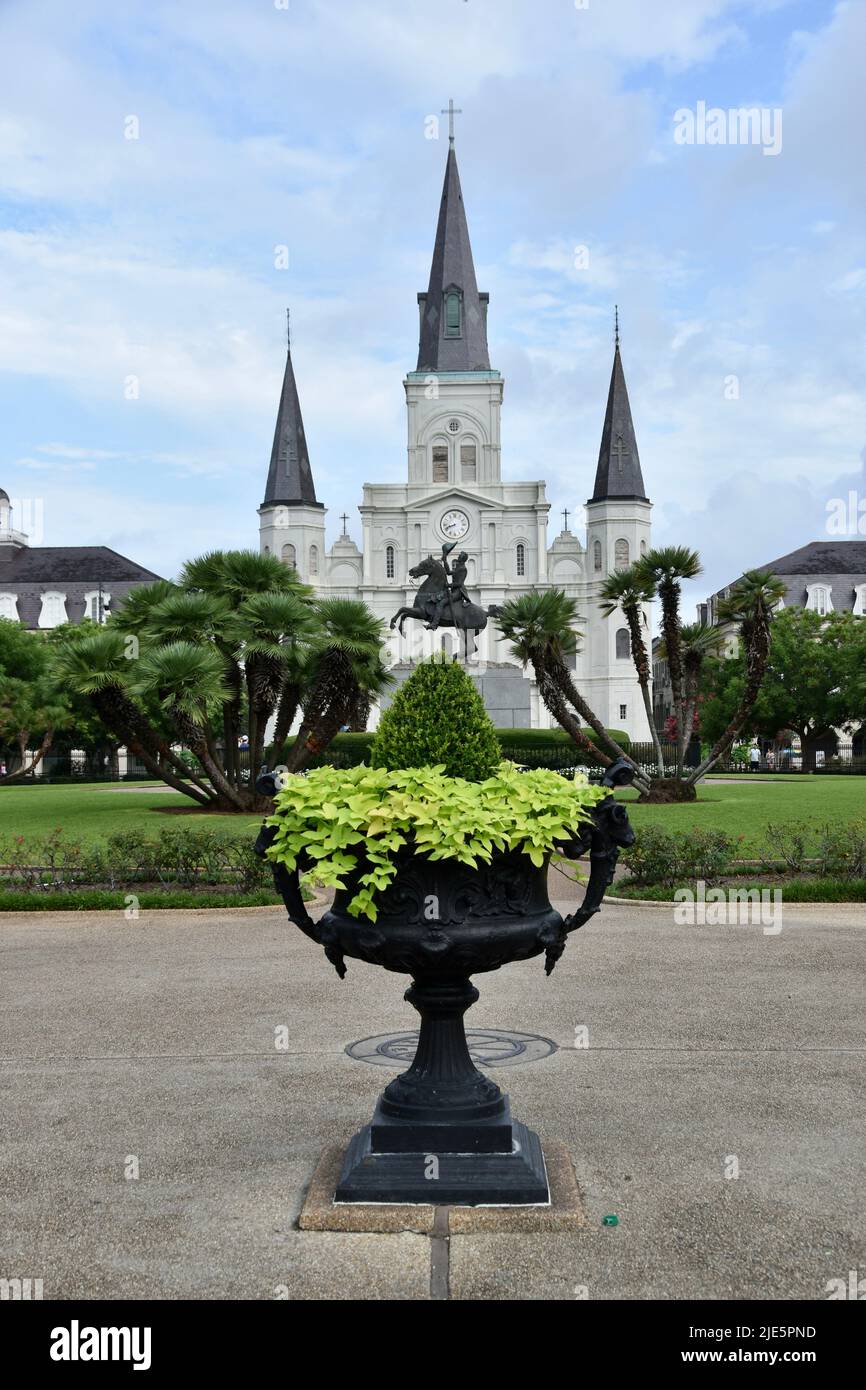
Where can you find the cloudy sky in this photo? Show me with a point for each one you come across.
(260, 124)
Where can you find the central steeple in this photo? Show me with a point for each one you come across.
(453, 336)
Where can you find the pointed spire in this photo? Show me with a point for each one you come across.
(618, 473)
(453, 331)
(290, 478)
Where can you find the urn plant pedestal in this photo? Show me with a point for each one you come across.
(443, 1132)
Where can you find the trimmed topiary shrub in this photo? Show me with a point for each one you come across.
(437, 718)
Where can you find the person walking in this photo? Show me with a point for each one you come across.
(755, 758)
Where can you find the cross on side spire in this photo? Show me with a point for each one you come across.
(451, 112)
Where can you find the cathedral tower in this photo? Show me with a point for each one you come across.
(291, 520)
(617, 534)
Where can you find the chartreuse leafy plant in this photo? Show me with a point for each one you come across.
(335, 820)
(438, 717)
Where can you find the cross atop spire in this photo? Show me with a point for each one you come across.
(616, 326)
(289, 329)
(451, 112)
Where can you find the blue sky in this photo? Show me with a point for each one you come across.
(262, 126)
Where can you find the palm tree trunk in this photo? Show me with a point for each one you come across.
(119, 715)
(23, 771)
(286, 711)
(640, 658)
(738, 719)
(548, 689)
(569, 690)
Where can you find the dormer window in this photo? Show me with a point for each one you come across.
(818, 599)
(53, 611)
(453, 315)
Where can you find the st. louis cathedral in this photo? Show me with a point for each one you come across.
(454, 492)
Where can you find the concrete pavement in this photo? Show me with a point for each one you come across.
(204, 1052)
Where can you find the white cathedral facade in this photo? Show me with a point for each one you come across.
(454, 491)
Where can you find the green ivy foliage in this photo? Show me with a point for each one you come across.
(438, 717)
(329, 819)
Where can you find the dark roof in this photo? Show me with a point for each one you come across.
(452, 268)
(618, 473)
(290, 478)
(823, 557)
(71, 564)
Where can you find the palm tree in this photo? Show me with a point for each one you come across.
(750, 607)
(188, 679)
(697, 642)
(96, 663)
(273, 628)
(344, 661)
(541, 630)
(629, 590)
(664, 569)
(234, 576)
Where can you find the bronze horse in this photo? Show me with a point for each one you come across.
(465, 617)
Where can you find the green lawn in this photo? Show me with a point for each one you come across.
(90, 813)
(745, 808)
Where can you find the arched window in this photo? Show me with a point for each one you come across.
(314, 559)
(596, 555)
(623, 644)
(818, 599)
(521, 559)
(289, 556)
(390, 567)
(620, 555)
(452, 314)
(440, 463)
(643, 547)
(468, 463)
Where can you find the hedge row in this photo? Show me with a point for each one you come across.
(535, 747)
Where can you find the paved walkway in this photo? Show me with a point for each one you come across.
(149, 1046)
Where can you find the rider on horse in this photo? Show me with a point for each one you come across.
(457, 590)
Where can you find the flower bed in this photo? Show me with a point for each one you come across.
(192, 859)
(799, 857)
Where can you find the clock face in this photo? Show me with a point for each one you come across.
(454, 524)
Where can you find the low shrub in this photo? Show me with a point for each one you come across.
(177, 856)
(438, 719)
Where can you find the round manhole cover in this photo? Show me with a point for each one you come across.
(488, 1047)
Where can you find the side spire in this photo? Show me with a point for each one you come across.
(618, 473)
(453, 334)
(290, 478)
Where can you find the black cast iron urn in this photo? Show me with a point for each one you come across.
(442, 922)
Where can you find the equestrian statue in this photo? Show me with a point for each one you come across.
(442, 600)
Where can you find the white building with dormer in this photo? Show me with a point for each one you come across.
(454, 491)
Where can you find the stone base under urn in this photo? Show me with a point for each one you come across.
(442, 1132)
